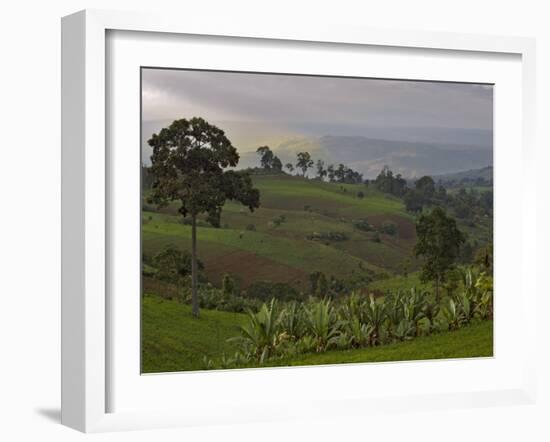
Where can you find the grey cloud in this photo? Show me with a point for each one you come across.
(219, 96)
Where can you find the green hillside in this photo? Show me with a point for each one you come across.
(318, 232)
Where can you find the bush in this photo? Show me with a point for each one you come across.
(360, 195)
(266, 290)
(251, 227)
(376, 237)
(277, 221)
(331, 236)
(388, 228)
(362, 224)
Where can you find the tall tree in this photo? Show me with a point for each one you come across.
(331, 172)
(304, 162)
(276, 164)
(188, 165)
(438, 243)
(426, 187)
(321, 171)
(266, 156)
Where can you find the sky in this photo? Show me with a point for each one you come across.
(222, 96)
(274, 109)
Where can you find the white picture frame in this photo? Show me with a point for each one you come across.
(86, 210)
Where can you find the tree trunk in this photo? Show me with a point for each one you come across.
(195, 295)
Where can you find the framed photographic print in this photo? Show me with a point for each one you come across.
(249, 214)
(304, 220)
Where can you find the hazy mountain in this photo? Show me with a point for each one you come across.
(413, 152)
(369, 156)
(485, 174)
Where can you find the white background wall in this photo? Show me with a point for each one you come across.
(30, 213)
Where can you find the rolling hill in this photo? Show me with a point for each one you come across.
(318, 233)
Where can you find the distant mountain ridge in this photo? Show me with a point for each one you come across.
(484, 173)
(367, 155)
(370, 155)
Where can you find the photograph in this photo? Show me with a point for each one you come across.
(302, 220)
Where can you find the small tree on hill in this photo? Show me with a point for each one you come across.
(321, 171)
(266, 156)
(290, 167)
(439, 242)
(426, 187)
(304, 162)
(276, 164)
(188, 165)
(331, 173)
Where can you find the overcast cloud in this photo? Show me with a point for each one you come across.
(286, 99)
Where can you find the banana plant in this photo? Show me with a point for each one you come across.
(484, 307)
(451, 314)
(260, 335)
(393, 305)
(431, 309)
(353, 307)
(405, 330)
(467, 303)
(413, 309)
(357, 333)
(375, 315)
(292, 320)
(323, 324)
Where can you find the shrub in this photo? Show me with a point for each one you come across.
(360, 195)
(229, 285)
(266, 290)
(278, 220)
(251, 227)
(330, 236)
(388, 228)
(174, 264)
(362, 224)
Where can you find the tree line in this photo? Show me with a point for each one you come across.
(334, 173)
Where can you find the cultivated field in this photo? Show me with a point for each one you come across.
(290, 251)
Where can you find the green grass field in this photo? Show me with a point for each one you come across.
(172, 340)
(283, 253)
(253, 247)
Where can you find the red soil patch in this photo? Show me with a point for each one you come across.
(405, 228)
(250, 268)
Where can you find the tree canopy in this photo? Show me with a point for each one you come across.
(439, 241)
(303, 161)
(268, 159)
(188, 165)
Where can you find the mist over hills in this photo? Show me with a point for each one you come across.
(411, 151)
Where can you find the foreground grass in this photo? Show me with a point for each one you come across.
(475, 340)
(172, 340)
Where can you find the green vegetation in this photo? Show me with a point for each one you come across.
(172, 340)
(290, 268)
(283, 331)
